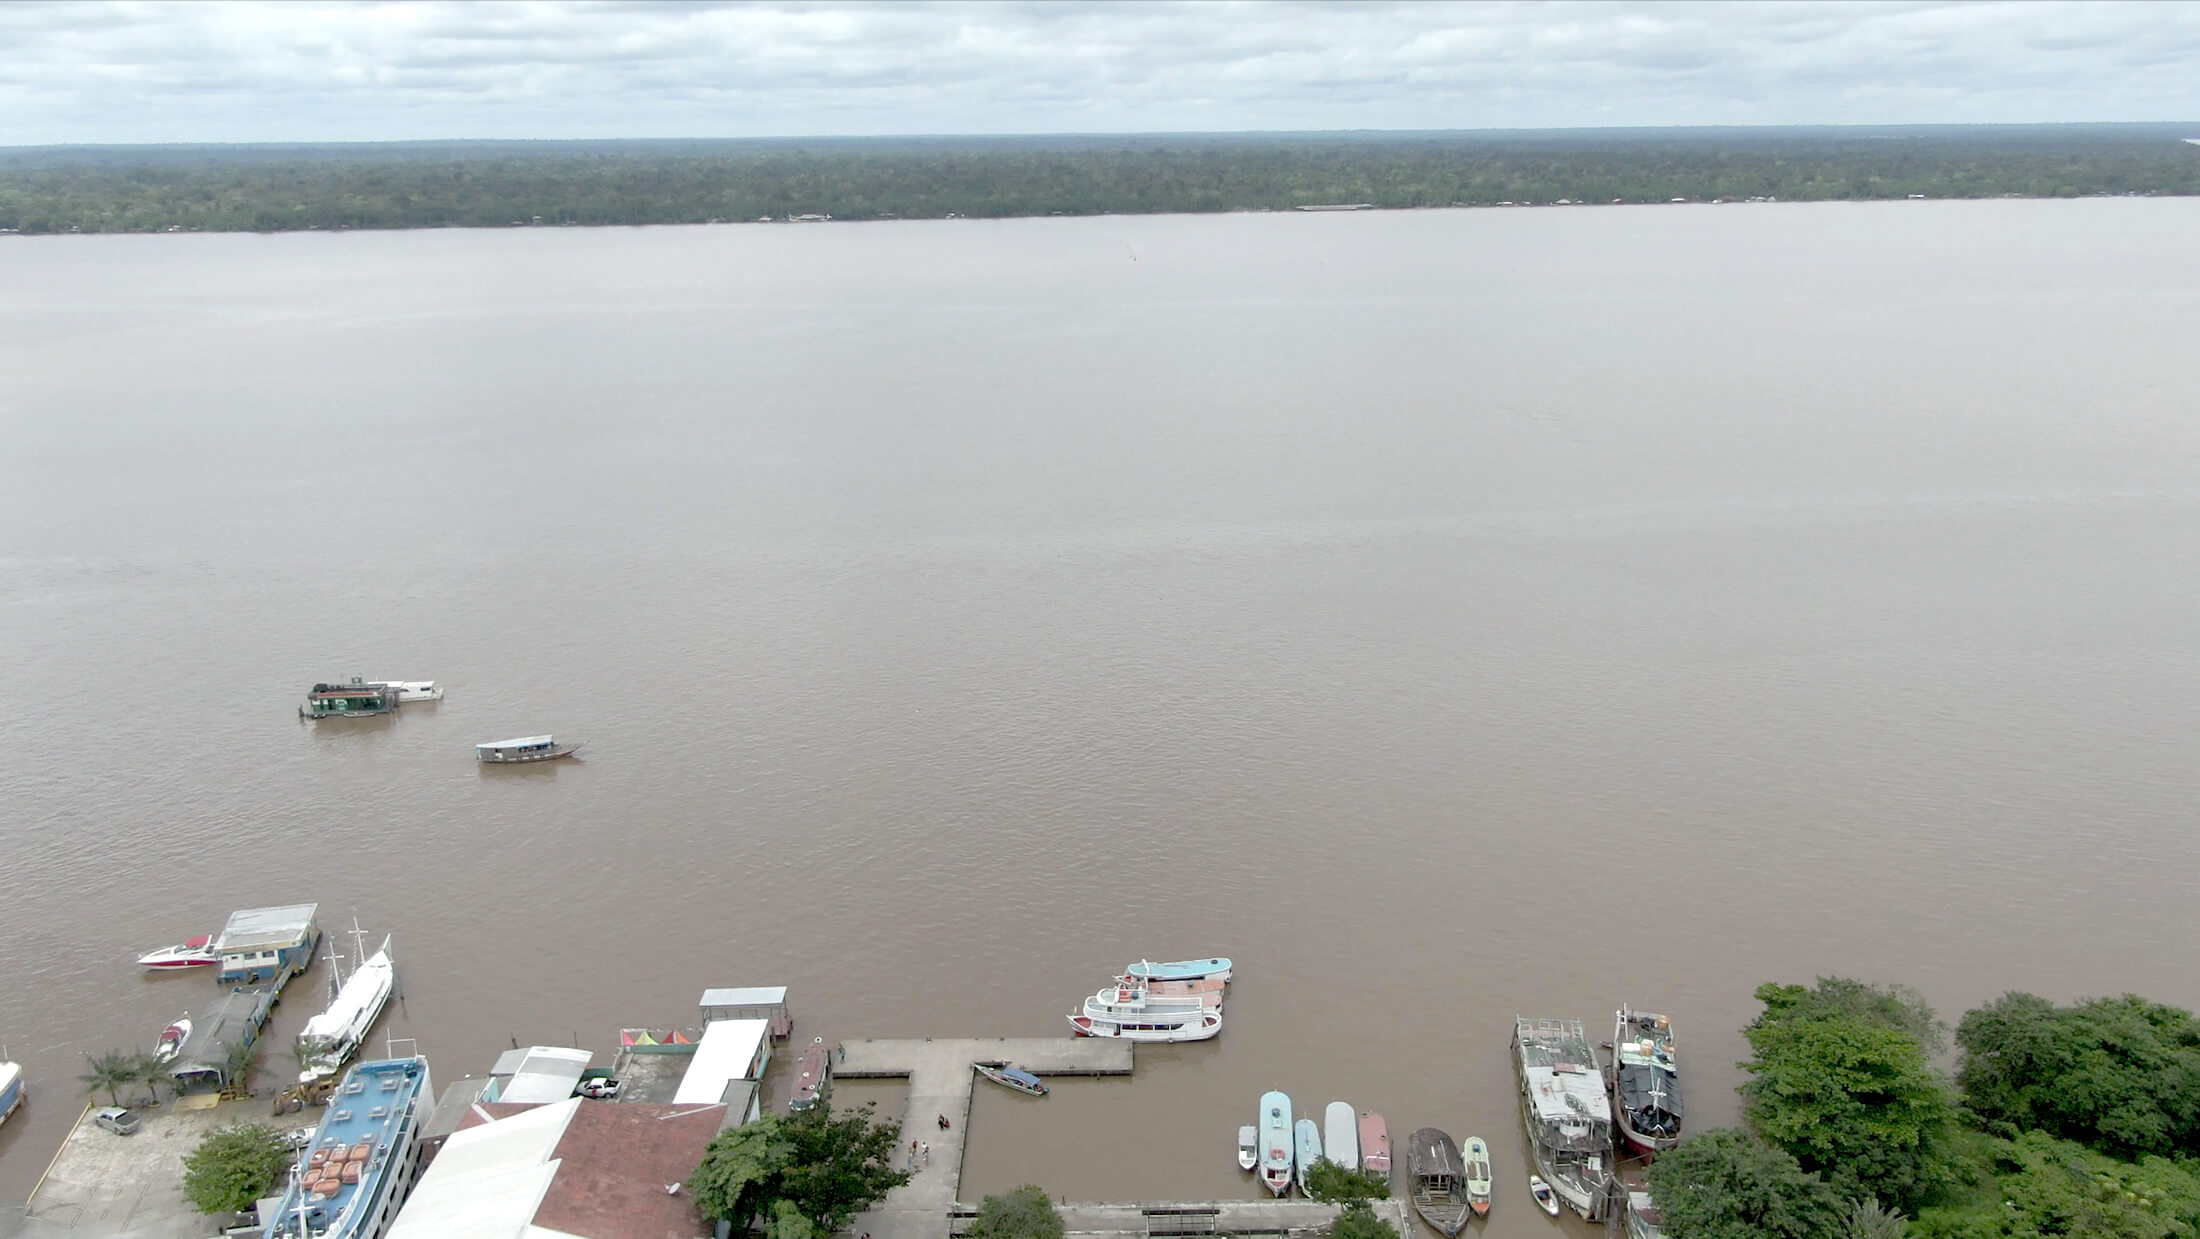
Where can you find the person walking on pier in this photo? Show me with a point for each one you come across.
(943, 1122)
(924, 1154)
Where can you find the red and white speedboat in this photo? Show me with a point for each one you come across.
(172, 1040)
(190, 953)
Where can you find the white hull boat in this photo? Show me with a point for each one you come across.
(190, 953)
(415, 690)
(1193, 1026)
(333, 1036)
(1341, 1134)
(1125, 1004)
(1308, 1137)
(171, 1040)
(524, 749)
(1248, 1147)
(1275, 1142)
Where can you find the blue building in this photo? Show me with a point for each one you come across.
(267, 944)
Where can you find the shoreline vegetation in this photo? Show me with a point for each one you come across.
(309, 187)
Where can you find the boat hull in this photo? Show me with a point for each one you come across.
(1181, 970)
(1200, 1028)
(522, 759)
(1307, 1141)
(1248, 1147)
(358, 1003)
(1030, 1088)
(190, 953)
(11, 1089)
(1275, 1142)
(1433, 1162)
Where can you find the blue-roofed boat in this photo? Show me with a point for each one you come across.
(1275, 1142)
(1181, 970)
(1309, 1135)
(1015, 1078)
(11, 1089)
(350, 1181)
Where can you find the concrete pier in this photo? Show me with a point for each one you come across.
(940, 1080)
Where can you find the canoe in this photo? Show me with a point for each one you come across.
(1275, 1142)
(1181, 970)
(1015, 1078)
(1543, 1194)
(1248, 1147)
(1439, 1194)
(1477, 1155)
(1374, 1144)
(1341, 1134)
(1309, 1141)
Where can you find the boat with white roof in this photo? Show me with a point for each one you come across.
(1124, 1002)
(351, 1179)
(1341, 1134)
(1275, 1142)
(332, 1037)
(1187, 1025)
(523, 749)
(409, 691)
(11, 1088)
(1307, 1136)
(1248, 1147)
(1564, 1107)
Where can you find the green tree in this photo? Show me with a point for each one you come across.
(109, 1073)
(1328, 1181)
(1868, 1219)
(2046, 1186)
(240, 1059)
(234, 1166)
(2120, 1074)
(1727, 1184)
(811, 1168)
(151, 1072)
(1358, 1221)
(1842, 1081)
(1026, 1213)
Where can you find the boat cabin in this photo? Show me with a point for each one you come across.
(754, 1002)
(357, 697)
(526, 748)
(262, 944)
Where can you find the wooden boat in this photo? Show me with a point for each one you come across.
(190, 953)
(1477, 1157)
(1181, 970)
(811, 1075)
(1307, 1136)
(1341, 1134)
(1644, 1081)
(524, 749)
(1275, 1142)
(171, 1040)
(1439, 1183)
(1015, 1078)
(1159, 1026)
(1543, 1194)
(1374, 1144)
(1248, 1147)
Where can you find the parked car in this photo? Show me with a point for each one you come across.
(298, 1137)
(116, 1119)
(603, 1088)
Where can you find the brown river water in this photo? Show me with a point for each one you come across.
(1449, 615)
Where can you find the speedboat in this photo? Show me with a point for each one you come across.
(1275, 1142)
(1543, 1194)
(1374, 1144)
(1248, 1147)
(1477, 1154)
(1308, 1137)
(190, 953)
(171, 1041)
(1341, 1135)
(1152, 1026)
(1439, 1194)
(1181, 970)
(1011, 1077)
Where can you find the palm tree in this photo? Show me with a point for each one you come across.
(1868, 1219)
(307, 1051)
(238, 1060)
(110, 1071)
(151, 1072)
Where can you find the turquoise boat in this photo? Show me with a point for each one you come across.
(1181, 970)
(1275, 1142)
(1310, 1150)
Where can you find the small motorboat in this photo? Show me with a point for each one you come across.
(1181, 970)
(524, 749)
(1308, 1137)
(190, 953)
(1248, 1147)
(1374, 1144)
(171, 1041)
(1275, 1142)
(1543, 1194)
(1192, 1025)
(1341, 1135)
(1477, 1153)
(1012, 1077)
(1439, 1194)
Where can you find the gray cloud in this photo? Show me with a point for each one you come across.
(127, 71)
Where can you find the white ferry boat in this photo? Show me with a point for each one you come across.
(1196, 1025)
(333, 1036)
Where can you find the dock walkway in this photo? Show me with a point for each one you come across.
(940, 1080)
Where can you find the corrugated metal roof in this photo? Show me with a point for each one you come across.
(488, 1180)
(253, 929)
(751, 996)
(544, 1073)
(725, 1053)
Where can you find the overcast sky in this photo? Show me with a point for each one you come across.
(309, 70)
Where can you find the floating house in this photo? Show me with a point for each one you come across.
(267, 944)
(350, 700)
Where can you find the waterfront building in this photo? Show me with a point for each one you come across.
(267, 944)
(730, 1052)
(234, 1020)
(536, 1074)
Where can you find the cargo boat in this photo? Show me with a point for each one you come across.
(365, 1154)
(1567, 1115)
(1645, 1082)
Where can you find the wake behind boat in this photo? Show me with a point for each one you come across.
(332, 1037)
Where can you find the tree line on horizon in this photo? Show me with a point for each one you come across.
(501, 184)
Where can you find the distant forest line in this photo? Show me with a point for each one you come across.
(273, 188)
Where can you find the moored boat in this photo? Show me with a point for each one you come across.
(1545, 1198)
(1439, 1191)
(1374, 1144)
(1565, 1110)
(1013, 1077)
(1204, 985)
(359, 698)
(1192, 1025)
(364, 1155)
(523, 749)
(1275, 1142)
(171, 1040)
(1307, 1141)
(1181, 970)
(1248, 1147)
(415, 690)
(1645, 1082)
(1124, 1003)
(11, 1088)
(332, 1037)
(811, 1075)
(196, 952)
(1476, 1157)
(1643, 1219)
(1341, 1134)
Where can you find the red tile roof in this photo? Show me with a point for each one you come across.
(613, 1164)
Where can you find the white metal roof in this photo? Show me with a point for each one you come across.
(487, 1181)
(544, 1073)
(751, 996)
(727, 1052)
(522, 742)
(1568, 1096)
(252, 929)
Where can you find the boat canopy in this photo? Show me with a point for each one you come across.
(524, 742)
(1434, 1155)
(1023, 1077)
